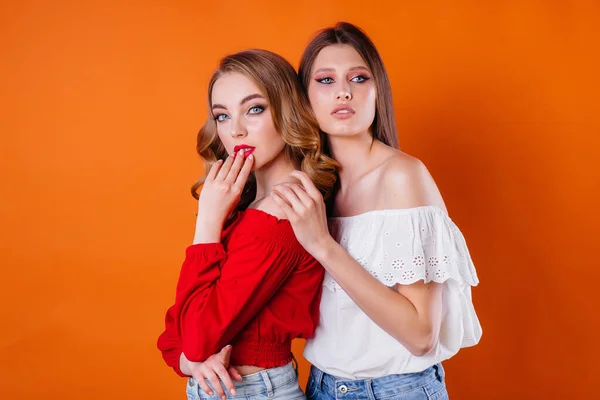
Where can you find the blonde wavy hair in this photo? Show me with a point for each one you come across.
(292, 117)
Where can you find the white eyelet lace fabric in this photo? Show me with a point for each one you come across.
(396, 246)
(405, 246)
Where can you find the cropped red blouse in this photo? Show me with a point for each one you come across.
(257, 289)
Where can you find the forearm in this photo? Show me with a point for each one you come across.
(415, 328)
(208, 229)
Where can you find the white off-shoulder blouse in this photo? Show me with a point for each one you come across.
(396, 246)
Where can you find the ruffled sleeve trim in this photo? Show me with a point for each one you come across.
(405, 246)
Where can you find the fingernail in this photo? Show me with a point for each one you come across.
(210, 393)
(241, 152)
(251, 157)
(232, 391)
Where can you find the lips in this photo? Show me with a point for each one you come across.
(247, 149)
(343, 112)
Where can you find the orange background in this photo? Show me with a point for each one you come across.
(101, 102)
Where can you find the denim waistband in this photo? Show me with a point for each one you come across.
(380, 387)
(265, 381)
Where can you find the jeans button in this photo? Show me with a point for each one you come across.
(343, 389)
(191, 382)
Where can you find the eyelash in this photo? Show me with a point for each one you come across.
(363, 77)
(260, 108)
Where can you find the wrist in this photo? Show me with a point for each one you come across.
(325, 250)
(183, 365)
(207, 235)
(208, 229)
(206, 218)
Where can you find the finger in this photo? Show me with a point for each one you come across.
(199, 377)
(235, 167)
(289, 195)
(224, 375)
(245, 171)
(234, 373)
(224, 355)
(216, 384)
(285, 207)
(301, 194)
(225, 168)
(212, 173)
(308, 184)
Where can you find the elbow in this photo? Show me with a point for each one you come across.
(422, 343)
(421, 349)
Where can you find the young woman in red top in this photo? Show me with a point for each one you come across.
(247, 287)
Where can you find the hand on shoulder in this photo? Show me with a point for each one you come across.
(269, 206)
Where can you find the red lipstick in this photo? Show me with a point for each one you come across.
(247, 149)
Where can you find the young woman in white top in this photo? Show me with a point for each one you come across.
(396, 297)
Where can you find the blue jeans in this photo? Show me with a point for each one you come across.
(425, 385)
(273, 383)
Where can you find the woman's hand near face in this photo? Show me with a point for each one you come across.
(304, 207)
(220, 194)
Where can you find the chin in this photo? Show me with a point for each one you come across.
(259, 164)
(346, 127)
(342, 131)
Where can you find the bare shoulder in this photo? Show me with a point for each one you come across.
(269, 206)
(408, 183)
(401, 168)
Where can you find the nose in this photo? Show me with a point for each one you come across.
(238, 129)
(344, 95)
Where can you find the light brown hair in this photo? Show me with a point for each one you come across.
(384, 125)
(292, 117)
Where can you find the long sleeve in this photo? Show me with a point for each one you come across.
(258, 289)
(200, 269)
(169, 343)
(210, 316)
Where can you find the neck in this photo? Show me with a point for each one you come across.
(347, 150)
(276, 171)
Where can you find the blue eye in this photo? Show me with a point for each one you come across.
(325, 80)
(256, 110)
(359, 79)
(221, 117)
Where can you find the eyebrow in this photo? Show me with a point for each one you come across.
(333, 70)
(251, 97)
(244, 100)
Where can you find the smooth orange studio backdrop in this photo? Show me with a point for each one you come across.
(100, 104)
